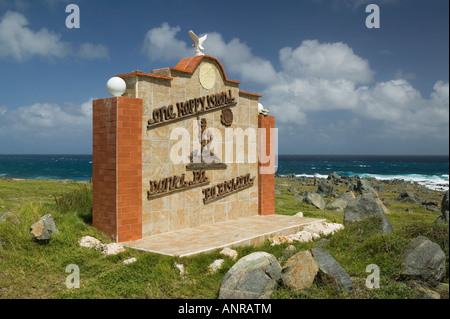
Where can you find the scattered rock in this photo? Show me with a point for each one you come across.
(338, 204)
(322, 242)
(423, 260)
(278, 192)
(215, 265)
(4, 216)
(386, 210)
(409, 197)
(129, 261)
(90, 242)
(429, 203)
(330, 271)
(442, 289)
(107, 249)
(323, 229)
(362, 186)
(308, 233)
(112, 249)
(299, 214)
(426, 293)
(254, 276)
(233, 254)
(299, 271)
(66, 181)
(180, 267)
(334, 177)
(293, 190)
(325, 189)
(299, 198)
(364, 207)
(444, 210)
(432, 209)
(287, 253)
(315, 200)
(301, 236)
(280, 203)
(44, 228)
(409, 211)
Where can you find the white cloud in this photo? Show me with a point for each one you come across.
(47, 119)
(20, 43)
(238, 58)
(323, 78)
(325, 60)
(161, 44)
(89, 51)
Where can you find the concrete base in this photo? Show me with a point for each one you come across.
(252, 230)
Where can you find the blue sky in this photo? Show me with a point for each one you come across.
(335, 86)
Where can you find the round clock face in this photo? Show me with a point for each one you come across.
(207, 76)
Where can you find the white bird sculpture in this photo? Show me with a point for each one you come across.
(262, 110)
(198, 42)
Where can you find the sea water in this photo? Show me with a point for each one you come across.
(430, 171)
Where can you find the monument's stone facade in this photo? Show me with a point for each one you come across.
(149, 177)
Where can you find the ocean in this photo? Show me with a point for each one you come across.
(430, 171)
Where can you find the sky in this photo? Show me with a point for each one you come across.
(334, 85)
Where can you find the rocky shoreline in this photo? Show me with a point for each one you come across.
(343, 190)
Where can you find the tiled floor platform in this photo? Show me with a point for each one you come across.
(240, 232)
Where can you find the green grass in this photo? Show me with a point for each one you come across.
(29, 269)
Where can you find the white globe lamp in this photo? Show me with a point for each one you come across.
(116, 86)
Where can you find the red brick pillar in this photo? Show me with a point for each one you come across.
(266, 170)
(117, 167)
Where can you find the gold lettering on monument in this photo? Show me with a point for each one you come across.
(175, 183)
(171, 113)
(226, 188)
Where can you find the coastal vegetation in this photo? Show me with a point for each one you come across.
(30, 269)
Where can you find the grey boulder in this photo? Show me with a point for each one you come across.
(339, 204)
(315, 200)
(325, 189)
(44, 228)
(423, 260)
(330, 271)
(365, 207)
(444, 210)
(409, 197)
(254, 276)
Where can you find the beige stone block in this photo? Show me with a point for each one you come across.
(177, 200)
(244, 208)
(243, 169)
(253, 191)
(160, 203)
(147, 225)
(253, 210)
(220, 212)
(192, 90)
(206, 215)
(160, 222)
(244, 194)
(160, 133)
(161, 99)
(193, 216)
(193, 197)
(177, 219)
(146, 155)
(233, 209)
(160, 152)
